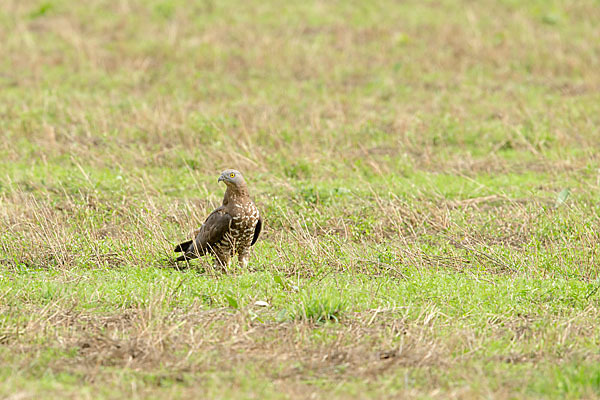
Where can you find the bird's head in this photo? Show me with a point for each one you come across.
(232, 178)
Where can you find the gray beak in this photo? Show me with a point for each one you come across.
(220, 179)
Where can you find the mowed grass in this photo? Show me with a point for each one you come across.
(428, 173)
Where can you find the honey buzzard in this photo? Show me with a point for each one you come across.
(228, 230)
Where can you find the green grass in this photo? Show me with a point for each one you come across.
(411, 162)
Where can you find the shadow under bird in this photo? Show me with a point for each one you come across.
(230, 229)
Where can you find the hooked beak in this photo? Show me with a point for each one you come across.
(220, 179)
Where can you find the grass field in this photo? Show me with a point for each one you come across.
(428, 172)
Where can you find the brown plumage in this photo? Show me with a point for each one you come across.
(228, 230)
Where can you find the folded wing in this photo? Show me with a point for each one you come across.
(210, 234)
(257, 230)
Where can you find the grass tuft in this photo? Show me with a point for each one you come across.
(320, 307)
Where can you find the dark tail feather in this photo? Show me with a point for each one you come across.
(183, 247)
(186, 257)
(189, 251)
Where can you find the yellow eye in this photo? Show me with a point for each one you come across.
(232, 175)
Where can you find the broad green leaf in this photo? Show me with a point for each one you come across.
(232, 301)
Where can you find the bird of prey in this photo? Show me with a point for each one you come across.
(228, 230)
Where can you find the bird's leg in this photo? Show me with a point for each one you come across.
(244, 257)
(222, 262)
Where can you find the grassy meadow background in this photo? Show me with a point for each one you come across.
(428, 172)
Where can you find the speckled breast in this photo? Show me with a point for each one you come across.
(243, 222)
